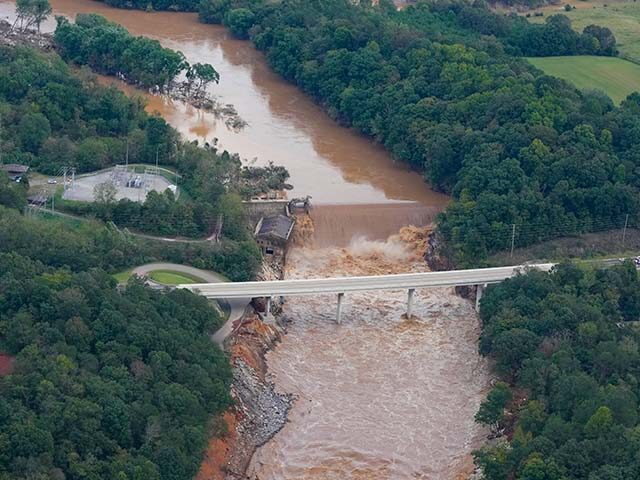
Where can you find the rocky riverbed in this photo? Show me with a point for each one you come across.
(259, 411)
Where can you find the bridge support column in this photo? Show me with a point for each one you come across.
(479, 292)
(267, 313)
(410, 302)
(339, 309)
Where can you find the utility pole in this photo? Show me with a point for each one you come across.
(156, 172)
(513, 238)
(126, 157)
(624, 231)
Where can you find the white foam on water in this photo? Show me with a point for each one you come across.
(380, 396)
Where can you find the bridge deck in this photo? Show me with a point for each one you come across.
(357, 284)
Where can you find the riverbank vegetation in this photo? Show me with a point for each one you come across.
(150, 5)
(108, 48)
(510, 144)
(566, 344)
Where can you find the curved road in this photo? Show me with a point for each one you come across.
(209, 239)
(237, 305)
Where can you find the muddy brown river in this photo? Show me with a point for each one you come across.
(380, 396)
(331, 163)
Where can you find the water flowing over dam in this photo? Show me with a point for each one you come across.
(339, 225)
(380, 396)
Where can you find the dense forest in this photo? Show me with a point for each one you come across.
(566, 344)
(80, 245)
(512, 145)
(106, 383)
(524, 4)
(51, 118)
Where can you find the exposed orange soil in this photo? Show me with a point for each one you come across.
(217, 454)
(6, 364)
(251, 341)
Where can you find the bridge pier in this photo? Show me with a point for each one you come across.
(479, 292)
(410, 302)
(339, 309)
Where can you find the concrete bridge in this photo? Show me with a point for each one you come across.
(480, 278)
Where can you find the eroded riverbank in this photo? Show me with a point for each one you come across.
(380, 396)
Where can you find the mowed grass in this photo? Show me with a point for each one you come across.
(170, 277)
(623, 18)
(615, 76)
(123, 277)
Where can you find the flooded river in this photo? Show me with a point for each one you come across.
(380, 396)
(331, 163)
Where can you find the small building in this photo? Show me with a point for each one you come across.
(15, 171)
(272, 234)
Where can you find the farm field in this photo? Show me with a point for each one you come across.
(623, 18)
(615, 76)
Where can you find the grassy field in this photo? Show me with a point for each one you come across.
(123, 277)
(615, 76)
(170, 277)
(623, 18)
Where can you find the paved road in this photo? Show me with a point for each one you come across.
(237, 304)
(354, 284)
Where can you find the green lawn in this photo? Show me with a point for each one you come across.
(615, 76)
(123, 277)
(170, 277)
(623, 18)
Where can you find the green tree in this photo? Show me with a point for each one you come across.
(33, 130)
(12, 194)
(31, 12)
(202, 75)
(239, 21)
(535, 468)
(492, 409)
